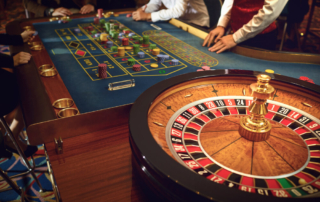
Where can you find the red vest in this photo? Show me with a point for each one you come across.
(242, 12)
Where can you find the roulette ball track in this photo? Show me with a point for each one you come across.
(184, 134)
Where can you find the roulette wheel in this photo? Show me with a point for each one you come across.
(190, 139)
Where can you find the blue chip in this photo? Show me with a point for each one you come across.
(140, 54)
(35, 33)
(59, 21)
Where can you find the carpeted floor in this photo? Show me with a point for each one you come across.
(14, 166)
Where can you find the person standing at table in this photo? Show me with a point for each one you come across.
(9, 103)
(252, 23)
(59, 7)
(192, 11)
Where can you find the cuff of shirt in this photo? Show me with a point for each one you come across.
(155, 17)
(223, 22)
(238, 37)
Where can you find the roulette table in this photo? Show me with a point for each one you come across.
(96, 155)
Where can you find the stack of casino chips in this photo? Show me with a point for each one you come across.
(109, 44)
(136, 68)
(131, 61)
(121, 26)
(135, 37)
(112, 26)
(102, 69)
(126, 31)
(121, 51)
(107, 25)
(100, 12)
(114, 48)
(136, 48)
(156, 51)
(96, 21)
(152, 46)
(175, 62)
(115, 35)
(141, 55)
(102, 21)
(131, 34)
(125, 41)
(145, 39)
(160, 58)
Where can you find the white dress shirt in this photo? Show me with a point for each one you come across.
(193, 11)
(269, 13)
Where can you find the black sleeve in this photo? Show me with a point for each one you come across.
(6, 60)
(6, 39)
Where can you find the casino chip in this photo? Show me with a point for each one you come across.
(77, 30)
(114, 48)
(310, 81)
(125, 41)
(154, 65)
(131, 61)
(136, 68)
(35, 33)
(109, 44)
(156, 51)
(120, 38)
(102, 70)
(269, 71)
(140, 54)
(136, 48)
(175, 62)
(96, 21)
(121, 51)
(129, 15)
(304, 78)
(131, 34)
(160, 58)
(205, 68)
(152, 46)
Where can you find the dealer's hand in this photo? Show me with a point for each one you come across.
(140, 15)
(223, 44)
(214, 36)
(61, 12)
(87, 9)
(21, 58)
(27, 35)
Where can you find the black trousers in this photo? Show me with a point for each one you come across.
(9, 94)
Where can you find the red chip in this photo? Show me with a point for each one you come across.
(304, 78)
(310, 81)
(129, 15)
